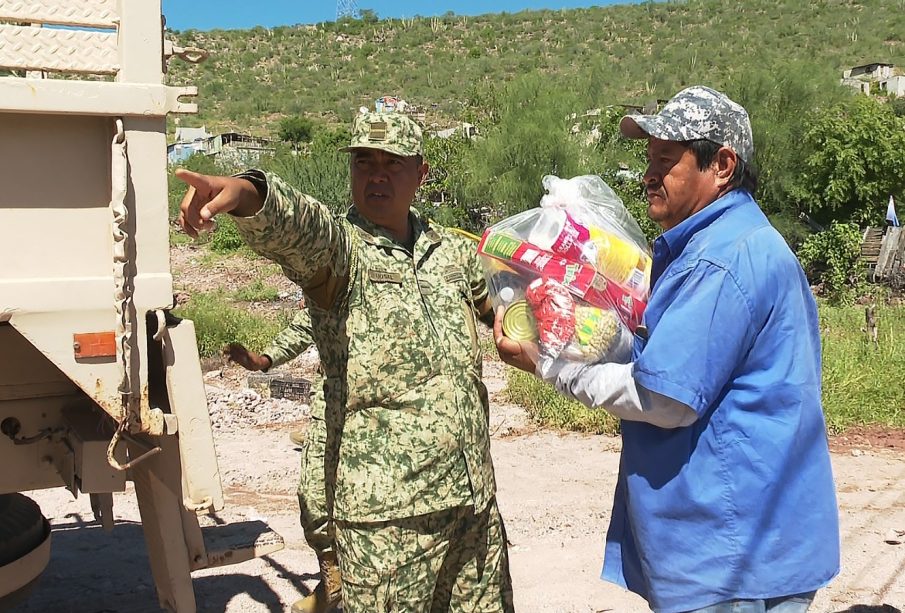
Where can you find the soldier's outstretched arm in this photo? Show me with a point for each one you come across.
(209, 195)
(313, 247)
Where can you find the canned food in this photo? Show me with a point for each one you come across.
(518, 322)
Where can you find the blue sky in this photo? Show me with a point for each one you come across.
(231, 14)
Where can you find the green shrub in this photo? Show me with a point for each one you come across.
(322, 171)
(218, 323)
(258, 291)
(295, 130)
(226, 238)
(832, 259)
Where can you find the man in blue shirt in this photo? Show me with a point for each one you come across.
(725, 499)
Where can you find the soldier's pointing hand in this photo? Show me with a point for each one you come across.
(209, 195)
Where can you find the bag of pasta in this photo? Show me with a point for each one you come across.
(573, 274)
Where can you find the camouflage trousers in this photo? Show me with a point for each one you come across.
(312, 489)
(451, 560)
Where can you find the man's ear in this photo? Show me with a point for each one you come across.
(724, 166)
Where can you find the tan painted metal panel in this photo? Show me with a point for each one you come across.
(202, 489)
(93, 98)
(56, 50)
(92, 13)
(84, 229)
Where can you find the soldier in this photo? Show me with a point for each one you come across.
(394, 301)
(292, 341)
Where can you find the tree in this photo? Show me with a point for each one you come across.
(296, 130)
(777, 101)
(621, 162)
(856, 160)
(322, 171)
(440, 197)
(530, 140)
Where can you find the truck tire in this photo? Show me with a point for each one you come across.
(24, 547)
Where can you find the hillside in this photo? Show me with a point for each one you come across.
(629, 53)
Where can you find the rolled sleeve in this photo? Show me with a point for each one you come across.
(694, 348)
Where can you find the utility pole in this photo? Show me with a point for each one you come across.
(346, 8)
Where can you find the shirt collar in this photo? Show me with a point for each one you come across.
(671, 243)
(376, 235)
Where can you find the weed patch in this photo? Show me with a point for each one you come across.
(258, 291)
(547, 407)
(862, 381)
(218, 323)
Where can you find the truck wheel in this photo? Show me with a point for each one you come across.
(24, 547)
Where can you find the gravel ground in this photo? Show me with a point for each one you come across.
(555, 491)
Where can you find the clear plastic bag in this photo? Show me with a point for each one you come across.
(573, 275)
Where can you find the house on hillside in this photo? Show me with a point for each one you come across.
(189, 141)
(875, 78)
(238, 148)
(232, 147)
(466, 129)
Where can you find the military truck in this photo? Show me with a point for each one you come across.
(99, 383)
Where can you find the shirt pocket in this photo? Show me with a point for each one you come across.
(639, 341)
(455, 317)
(390, 347)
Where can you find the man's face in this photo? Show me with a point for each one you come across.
(384, 184)
(676, 188)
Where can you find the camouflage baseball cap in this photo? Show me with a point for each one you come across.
(695, 113)
(392, 132)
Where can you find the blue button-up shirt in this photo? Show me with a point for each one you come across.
(741, 503)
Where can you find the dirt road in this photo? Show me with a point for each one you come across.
(555, 492)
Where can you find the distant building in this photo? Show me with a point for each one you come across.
(875, 78)
(240, 148)
(390, 104)
(465, 129)
(231, 147)
(190, 135)
(189, 141)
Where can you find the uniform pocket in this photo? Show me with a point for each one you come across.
(456, 321)
(390, 347)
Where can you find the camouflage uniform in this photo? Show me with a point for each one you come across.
(312, 490)
(409, 475)
(289, 343)
(292, 341)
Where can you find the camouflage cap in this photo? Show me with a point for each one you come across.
(696, 113)
(392, 132)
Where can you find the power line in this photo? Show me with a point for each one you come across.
(346, 8)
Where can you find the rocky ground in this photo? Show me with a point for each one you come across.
(555, 491)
